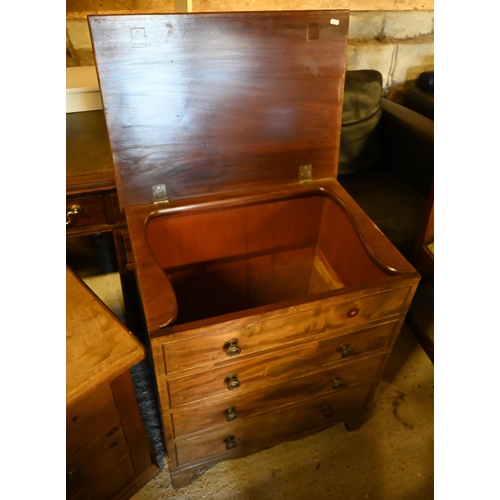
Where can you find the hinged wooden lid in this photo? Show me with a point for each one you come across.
(218, 102)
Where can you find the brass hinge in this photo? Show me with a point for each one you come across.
(160, 194)
(305, 173)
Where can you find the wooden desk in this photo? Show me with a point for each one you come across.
(91, 201)
(107, 450)
(90, 181)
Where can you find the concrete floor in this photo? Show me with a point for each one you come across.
(390, 458)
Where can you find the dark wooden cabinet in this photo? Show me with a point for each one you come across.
(271, 300)
(92, 204)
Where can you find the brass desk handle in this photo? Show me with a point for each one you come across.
(232, 382)
(232, 348)
(230, 413)
(230, 444)
(345, 350)
(336, 382)
(75, 210)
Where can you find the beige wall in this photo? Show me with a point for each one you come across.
(396, 39)
(355, 5)
(77, 8)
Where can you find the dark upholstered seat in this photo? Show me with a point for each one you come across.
(386, 159)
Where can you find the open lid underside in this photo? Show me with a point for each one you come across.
(219, 102)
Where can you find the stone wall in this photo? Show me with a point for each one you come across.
(397, 42)
(77, 7)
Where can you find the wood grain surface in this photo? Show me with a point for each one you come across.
(209, 103)
(98, 346)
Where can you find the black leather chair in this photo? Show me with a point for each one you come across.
(386, 160)
(419, 94)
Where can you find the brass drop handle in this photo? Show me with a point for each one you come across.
(232, 382)
(232, 348)
(74, 210)
(327, 411)
(230, 413)
(336, 382)
(345, 350)
(230, 444)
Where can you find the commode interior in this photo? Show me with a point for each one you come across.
(240, 257)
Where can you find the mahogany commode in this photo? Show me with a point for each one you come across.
(271, 300)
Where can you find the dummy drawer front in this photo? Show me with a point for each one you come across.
(88, 417)
(95, 457)
(207, 345)
(258, 433)
(247, 405)
(272, 368)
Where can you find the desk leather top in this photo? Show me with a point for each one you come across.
(88, 154)
(98, 346)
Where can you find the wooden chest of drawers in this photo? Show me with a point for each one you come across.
(107, 450)
(240, 386)
(271, 300)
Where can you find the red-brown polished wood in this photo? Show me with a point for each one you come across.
(210, 103)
